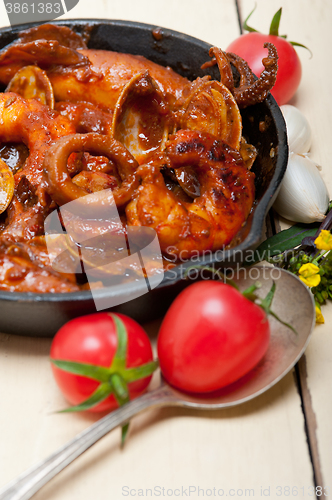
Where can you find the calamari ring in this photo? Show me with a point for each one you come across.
(60, 185)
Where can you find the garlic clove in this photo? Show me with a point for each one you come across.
(298, 129)
(303, 195)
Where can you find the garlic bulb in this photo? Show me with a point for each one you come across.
(298, 129)
(303, 195)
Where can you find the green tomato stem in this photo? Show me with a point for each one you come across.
(119, 360)
(274, 27)
(124, 433)
(121, 393)
(245, 23)
(113, 380)
(100, 394)
(142, 371)
(120, 389)
(99, 373)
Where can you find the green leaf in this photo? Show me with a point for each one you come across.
(266, 303)
(101, 393)
(119, 360)
(120, 389)
(245, 25)
(274, 27)
(138, 372)
(99, 373)
(285, 240)
(282, 322)
(250, 292)
(327, 258)
(121, 394)
(295, 44)
(124, 432)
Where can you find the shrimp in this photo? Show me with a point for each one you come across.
(212, 219)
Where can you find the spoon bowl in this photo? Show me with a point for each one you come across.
(293, 303)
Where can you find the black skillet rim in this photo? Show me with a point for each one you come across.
(254, 236)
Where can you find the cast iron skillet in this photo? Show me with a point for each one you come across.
(42, 314)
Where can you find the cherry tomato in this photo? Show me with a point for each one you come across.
(250, 47)
(93, 340)
(211, 336)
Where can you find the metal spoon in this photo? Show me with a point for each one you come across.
(293, 302)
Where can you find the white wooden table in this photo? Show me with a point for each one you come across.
(278, 445)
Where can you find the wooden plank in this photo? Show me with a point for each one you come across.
(4, 21)
(214, 23)
(310, 24)
(259, 446)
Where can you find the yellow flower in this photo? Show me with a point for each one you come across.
(319, 316)
(324, 240)
(309, 275)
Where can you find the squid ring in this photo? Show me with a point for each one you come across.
(61, 187)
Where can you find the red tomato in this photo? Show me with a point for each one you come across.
(92, 339)
(250, 47)
(210, 337)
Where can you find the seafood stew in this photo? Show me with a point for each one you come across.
(150, 171)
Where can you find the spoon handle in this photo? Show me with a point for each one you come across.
(28, 483)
